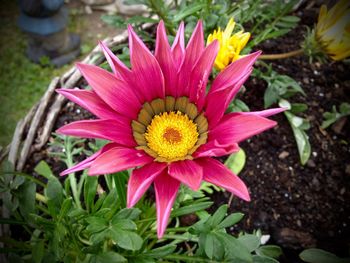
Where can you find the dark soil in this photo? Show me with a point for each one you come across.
(299, 206)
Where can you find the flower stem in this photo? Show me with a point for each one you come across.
(282, 55)
(41, 198)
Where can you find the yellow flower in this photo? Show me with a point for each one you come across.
(230, 46)
(333, 30)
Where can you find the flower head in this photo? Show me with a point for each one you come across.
(160, 119)
(230, 46)
(333, 30)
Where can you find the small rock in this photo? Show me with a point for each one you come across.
(306, 80)
(294, 239)
(338, 126)
(283, 155)
(311, 163)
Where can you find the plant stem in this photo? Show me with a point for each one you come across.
(163, 16)
(282, 55)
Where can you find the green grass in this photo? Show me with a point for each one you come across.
(22, 83)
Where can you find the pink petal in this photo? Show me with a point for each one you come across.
(234, 72)
(218, 174)
(118, 67)
(187, 172)
(116, 93)
(194, 50)
(178, 47)
(118, 159)
(102, 129)
(165, 59)
(201, 72)
(141, 179)
(215, 149)
(215, 110)
(237, 127)
(146, 71)
(263, 113)
(90, 101)
(88, 161)
(166, 189)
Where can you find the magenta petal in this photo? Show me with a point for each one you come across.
(141, 179)
(194, 50)
(146, 71)
(215, 149)
(214, 110)
(118, 159)
(102, 129)
(88, 161)
(118, 67)
(263, 113)
(165, 59)
(187, 172)
(234, 72)
(201, 72)
(90, 101)
(116, 93)
(235, 128)
(178, 47)
(218, 174)
(166, 189)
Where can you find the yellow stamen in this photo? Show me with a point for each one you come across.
(171, 135)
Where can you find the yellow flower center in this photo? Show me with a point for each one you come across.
(171, 135)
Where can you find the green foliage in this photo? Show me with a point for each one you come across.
(236, 161)
(334, 115)
(299, 126)
(315, 255)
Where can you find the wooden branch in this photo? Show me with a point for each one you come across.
(35, 123)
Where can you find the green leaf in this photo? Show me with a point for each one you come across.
(125, 224)
(17, 182)
(251, 242)
(128, 213)
(315, 255)
(231, 220)
(214, 220)
(44, 170)
(109, 256)
(161, 252)
(213, 247)
(54, 194)
(120, 180)
(38, 251)
(96, 224)
(66, 206)
(189, 209)
(27, 198)
(236, 161)
(90, 188)
(263, 259)
(234, 250)
(189, 10)
(298, 108)
(269, 251)
(126, 239)
(111, 199)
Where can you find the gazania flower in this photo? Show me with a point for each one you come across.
(333, 30)
(160, 119)
(230, 46)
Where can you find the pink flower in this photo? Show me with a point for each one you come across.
(160, 119)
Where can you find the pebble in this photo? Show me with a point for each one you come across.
(283, 155)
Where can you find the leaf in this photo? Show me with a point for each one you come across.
(161, 252)
(236, 161)
(96, 224)
(231, 220)
(43, 169)
(189, 209)
(315, 255)
(298, 108)
(189, 10)
(234, 250)
(269, 251)
(251, 242)
(263, 259)
(90, 188)
(54, 194)
(38, 251)
(334, 116)
(109, 256)
(214, 220)
(27, 198)
(128, 213)
(126, 239)
(213, 247)
(17, 182)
